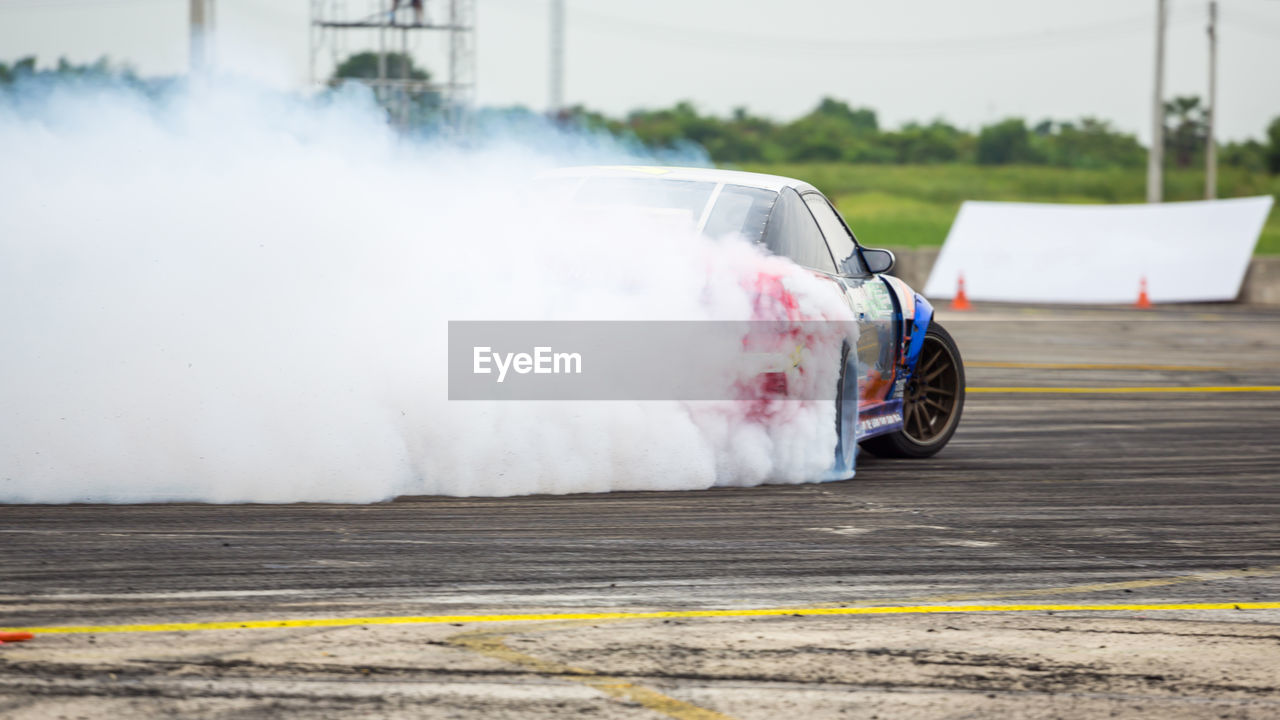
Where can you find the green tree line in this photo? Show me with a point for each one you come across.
(836, 132)
(833, 131)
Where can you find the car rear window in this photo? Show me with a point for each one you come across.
(742, 210)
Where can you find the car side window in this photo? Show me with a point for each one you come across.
(843, 248)
(792, 232)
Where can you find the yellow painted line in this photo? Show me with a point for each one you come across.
(493, 646)
(652, 615)
(1129, 390)
(1268, 571)
(1094, 366)
(491, 643)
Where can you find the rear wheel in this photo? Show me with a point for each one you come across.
(931, 404)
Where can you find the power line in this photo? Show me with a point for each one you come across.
(1251, 20)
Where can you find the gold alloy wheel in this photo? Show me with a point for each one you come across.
(929, 400)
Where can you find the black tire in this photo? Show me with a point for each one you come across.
(932, 401)
(844, 361)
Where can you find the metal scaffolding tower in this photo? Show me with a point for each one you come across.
(447, 28)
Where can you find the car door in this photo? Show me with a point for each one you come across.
(870, 299)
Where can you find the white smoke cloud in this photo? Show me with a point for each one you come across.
(232, 295)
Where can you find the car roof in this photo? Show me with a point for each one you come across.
(729, 177)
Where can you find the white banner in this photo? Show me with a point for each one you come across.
(1027, 252)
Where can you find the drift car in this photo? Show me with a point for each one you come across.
(905, 373)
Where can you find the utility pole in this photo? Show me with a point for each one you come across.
(1155, 157)
(456, 48)
(555, 90)
(1210, 146)
(380, 89)
(201, 28)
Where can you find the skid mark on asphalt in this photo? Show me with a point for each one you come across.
(843, 530)
(1266, 571)
(1269, 571)
(1095, 366)
(643, 615)
(1130, 390)
(492, 644)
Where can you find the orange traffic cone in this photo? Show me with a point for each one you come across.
(961, 301)
(1144, 300)
(13, 637)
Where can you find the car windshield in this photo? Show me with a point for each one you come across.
(736, 209)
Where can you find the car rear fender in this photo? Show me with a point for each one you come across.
(917, 314)
(915, 341)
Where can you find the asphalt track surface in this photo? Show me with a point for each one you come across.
(1107, 458)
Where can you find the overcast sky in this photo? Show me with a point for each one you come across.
(969, 62)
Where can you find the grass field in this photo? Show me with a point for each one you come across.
(913, 205)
